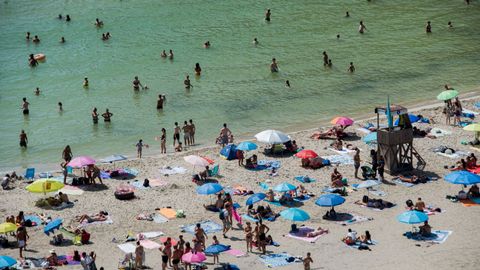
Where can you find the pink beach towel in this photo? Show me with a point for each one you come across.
(237, 217)
(235, 252)
(157, 183)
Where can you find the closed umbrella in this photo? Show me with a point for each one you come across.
(209, 188)
(81, 161)
(272, 137)
(257, 197)
(6, 261)
(7, 227)
(196, 160)
(342, 121)
(447, 95)
(284, 187)
(295, 214)
(45, 186)
(215, 249)
(306, 154)
(52, 226)
(329, 200)
(412, 217)
(247, 146)
(196, 257)
(462, 178)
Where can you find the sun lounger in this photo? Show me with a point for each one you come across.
(437, 236)
(276, 260)
(302, 233)
(207, 225)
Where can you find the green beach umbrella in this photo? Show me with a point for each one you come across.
(472, 127)
(447, 94)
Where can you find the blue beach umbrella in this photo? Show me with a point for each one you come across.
(462, 178)
(329, 200)
(215, 249)
(284, 187)
(370, 138)
(255, 198)
(247, 146)
(209, 188)
(412, 217)
(52, 225)
(295, 214)
(413, 119)
(6, 261)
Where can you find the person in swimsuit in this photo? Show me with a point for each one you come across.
(36, 39)
(167, 248)
(106, 116)
(60, 107)
(325, 58)
(187, 83)
(225, 134)
(450, 25)
(37, 91)
(67, 154)
(287, 83)
(95, 116)
(62, 40)
(163, 141)
(361, 28)
(186, 133)
(98, 23)
(32, 61)
(136, 84)
(351, 68)
(90, 219)
(347, 14)
(356, 161)
(255, 41)
(192, 132)
(274, 65)
(139, 253)
(85, 82)
(200, 234)
(170, 55)
(108, 35)
(428, 28)
(248, 236)
(206, 45)
(163, 54)
(267, 15)
(307, 261)
(25, 104)
(140, 148)
(164, 258)
(262, 232)
(198, 69)
(23, 139)
(330, 63)
(177, 255)
(176, 134)
(22, 237)
(27, 36)
(160, 102)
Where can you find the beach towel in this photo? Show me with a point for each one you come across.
(168, 213)
(157, 218)
(437, 132)
(130, 171)
(379, 193)
(470, 202)
(305, 179)
(172, 170)
(62, 206)
(269, 163)
(235, 252)
(355, 219)
(71, 190)
(149, 244)
(36, 221)
(149, 235)
(456, 155)
(127, 247)
(358, 244)
(275, 260)
(275, 202)
(430, 210)
(207, 225)
(138, 185)
(157, 182)
(86, 224)
(364, 130)
(264, 186)
(250, 218)
(475, 170)
(344, 150)
(302, 232)
(339, 159)
(405, 184)
(437, 236)
(236, 216)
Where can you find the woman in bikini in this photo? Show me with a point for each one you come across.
(163, 141)
(177, 255)
(248, 236)
(167, 249)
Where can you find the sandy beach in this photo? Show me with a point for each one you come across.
(392, 250)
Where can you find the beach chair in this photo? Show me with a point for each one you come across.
(214, 172)
(30, 174)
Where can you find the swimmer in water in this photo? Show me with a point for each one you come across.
(37, 91)
(60, 107)
(187, 83)
(325, 58)
(136, 83)
(361, 28)
(448, 87)
(62, 40)
(32, 61)
(163, 54)
(198, 69)
(106, 116)
(330, 63)
(60, 17)
(25, 105)
(104, 37)
(206, 44)
(428, 27)
(95, 116)
(170, 54)
(98, 23)
(108, 35)
(160, 102)
(85, 82)
(287, 83)
(255, 41)
(351, 68)
(347, 14)
(267, 15)
(273, 65)
(27, 36)
(23, 139)
(68, 18)
(36, 39)
(450, 25)
(338, 36)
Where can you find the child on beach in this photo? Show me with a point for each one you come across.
(140, 146)
(307, 261)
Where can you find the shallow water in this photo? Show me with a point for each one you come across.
(393, 57)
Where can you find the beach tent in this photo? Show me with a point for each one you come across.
(229, 152)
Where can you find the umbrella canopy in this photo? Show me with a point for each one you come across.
(81, 161)
(257, 197)
(6, 261)
(196, 257)
(462, 178)
(44, 186)
(342, 121)
(52, 226)
(209, 188)
(306, 154)
(329, 200)
(272, 136)
(370, 138)
(412, 217)
(247, 146)
(413, 119)
(7, 227)
(215, 249)
(284, 187)
(472, 127)
(368, 183)
(447, 94)
(295, 214)
(196, 160)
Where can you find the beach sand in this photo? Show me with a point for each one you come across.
(393, 250)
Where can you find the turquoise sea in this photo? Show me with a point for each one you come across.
(394, 57)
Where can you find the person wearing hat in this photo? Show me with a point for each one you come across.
(53, 258)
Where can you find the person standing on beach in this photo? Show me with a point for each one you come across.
(64, 172)
(139, 256)
(225, 134)
(106, 116)
(192, 132)
(428, 28)
(163, 141)
(356, 161)
(136, 84)
(362, 28)
(373, 156)
(274, 65)
(23, 139)
(140, 146)
(248, 236)
(186, 133)
(267, 15)
(351, 68)
(307, 261)
(25, 104)
(22, 237)
(95, 116)
(176, 134)
(67, 154)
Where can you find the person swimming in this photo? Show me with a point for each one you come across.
(60, 107)
(163, 54)
(351, 68)
(361, 28)
(32, 61)
(325, 58)
(27, 36)
(85, 82)
(187, 83)
(37, 91)
(136, 84)
(68, 18)
(267, 15)
(449, 24)
(60, 17)
(330, 63)
(338, 36)
(255, 41)
(274, 65)
(98, 23)
(36, 39)
(170, 55)
(198, 69)
(347, 14)
(62, 40)
(428, 27)
(206, 44)
(287, 83)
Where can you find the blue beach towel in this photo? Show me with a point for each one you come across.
(276, 202)
(35, 219)
(250, 218)
(275, 260)
(264, 186)
(438, 236)
(208, 226)
(305, 198)
(305, 179)
(138, 185)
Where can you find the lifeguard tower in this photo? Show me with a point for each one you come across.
(395, 143)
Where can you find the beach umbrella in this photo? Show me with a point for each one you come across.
(306, 154)
(196, 257)
(295, 214)
(257, 197)
(472, 127)
(342, 121)
(462, 178)
(6, 261)
(44, 186)
(284, 187)
(447, 95)
(272, 137)
(412, 217)
(52, 226)
(368, 184)
(196, 160)
(329, 200)
(413, 119)
(370, 138)
(247, 146)
(215, 249)
(7, 227)
(209, 188)
(81, 161)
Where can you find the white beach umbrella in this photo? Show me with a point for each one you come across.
(196, 160)
(272, 136)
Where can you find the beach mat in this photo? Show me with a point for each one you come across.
(127, 247)
(149, 235)
(207, 225)
(344, 151)
(68, 259)
(354, 220)
(304, 198)
(157, 218)
(302, 234)
(358, 244)
(36, 220)
(470, 202)
(303, 180)
(275, 260)
(437, 236)
(168, 213)
(249, 218)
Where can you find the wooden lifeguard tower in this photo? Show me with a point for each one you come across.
(395, 144)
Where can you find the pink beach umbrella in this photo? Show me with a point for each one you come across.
(81, 161)
(196, 257)
(342, 121)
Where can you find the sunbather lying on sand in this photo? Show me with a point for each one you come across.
(101, 216)
(334, 132)
(460, 165)
(374, 203)
(317, 232)
(413, 179)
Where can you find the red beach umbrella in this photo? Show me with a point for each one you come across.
(306, 154)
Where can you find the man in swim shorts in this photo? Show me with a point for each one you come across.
(225, 134)
(176, 134)
(186, 133)
(25, 106)
(23, 139)
(192, 132)
(136, 84)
